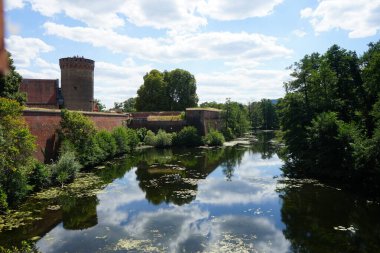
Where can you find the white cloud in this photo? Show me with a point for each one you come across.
(241, 84)
(299, 33)
(173, 15)
(237, 10)
(116, 83)
(176, 15)
(13, 4)
(100, 14)
(25, 50)
(361, 17)
(201, 46)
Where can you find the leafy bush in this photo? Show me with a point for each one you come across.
(214, 138)
(106, 142)
(133, 139)
(26, 247)
(66, 168)
(163, 139)
(121, 137)
(40, 176)
(76, 128)
(3, 201)
(150, 138)
(227, 133)
(90, 154)
(141, 133)
(188, 136)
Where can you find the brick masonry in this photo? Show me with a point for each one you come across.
(44, 125)
(41, 93)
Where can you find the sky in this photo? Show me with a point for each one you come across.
(238, 49)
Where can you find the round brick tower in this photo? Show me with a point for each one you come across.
(77, 83)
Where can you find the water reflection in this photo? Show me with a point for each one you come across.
(78, 212)
(202, 200)
(321, 219)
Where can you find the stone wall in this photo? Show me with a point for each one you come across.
(44, 124)
(204, 119)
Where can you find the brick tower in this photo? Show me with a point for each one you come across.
(77, 83)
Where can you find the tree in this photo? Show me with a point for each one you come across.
(212, 104)
(263, 114)
(181, 88)
(128, 105)
(174, 90)
(235, 119)
(152, 96)
(101, 107)
(10, 83)
(330, 118)
(17, 145)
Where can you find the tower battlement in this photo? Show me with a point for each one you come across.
(76, 62)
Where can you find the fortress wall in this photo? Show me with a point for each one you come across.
(44, 125)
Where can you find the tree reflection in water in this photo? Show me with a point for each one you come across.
(322, 219)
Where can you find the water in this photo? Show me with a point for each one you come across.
(196, 200)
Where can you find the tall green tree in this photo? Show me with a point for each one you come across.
(181, 88)
(152, 95)
(235, 119)
(263, 115)
(173, 90)
(10, 83)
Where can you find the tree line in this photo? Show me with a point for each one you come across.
(330, 117)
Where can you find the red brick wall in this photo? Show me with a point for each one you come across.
(44, 124)
(40, 92)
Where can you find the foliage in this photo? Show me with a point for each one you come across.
(329, 117)
(181, 88)
(3, 201)
(141, 133)
(40, 176)
(26, 247)
(235, 120)
(263, 115)
(173, 90)
(163, 139)
(150, 138)
(214, 138)
(101, 107)
(76, 128)
(126, 139)
(160, 140)
(66, 168)
(188, 136)
(151, 96)
(16, 149)
(133, 138)
(106, 142)
(128, 105)
(9, 84)
(212, 104)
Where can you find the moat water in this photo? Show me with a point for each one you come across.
(230, 199)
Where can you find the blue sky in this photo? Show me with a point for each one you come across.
(237, 49)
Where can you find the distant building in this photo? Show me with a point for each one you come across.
(77, 87)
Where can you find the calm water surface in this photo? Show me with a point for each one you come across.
(198, 200)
